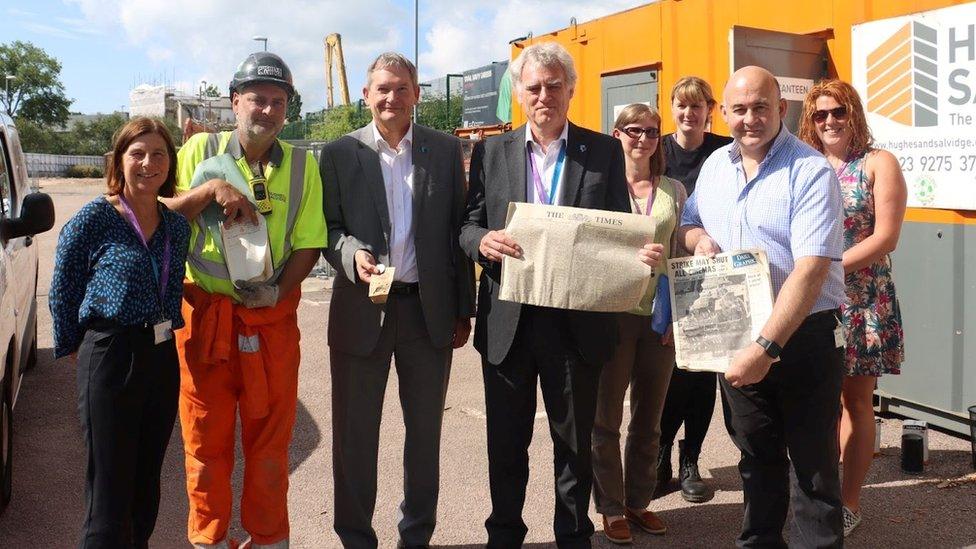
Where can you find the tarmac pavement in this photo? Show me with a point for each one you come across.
(47, 507)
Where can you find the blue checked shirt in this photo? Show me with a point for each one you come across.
(792, 208)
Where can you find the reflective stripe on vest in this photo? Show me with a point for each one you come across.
(213, 143)
(218, 269)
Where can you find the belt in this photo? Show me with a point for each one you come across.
(405, 288)
(822, 316)
(112, 327)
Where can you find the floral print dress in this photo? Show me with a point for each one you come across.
(872, 317)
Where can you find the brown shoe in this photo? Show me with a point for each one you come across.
(617, 531)
(647, 521)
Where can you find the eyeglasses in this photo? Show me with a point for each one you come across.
(839, 113)
(635, 132)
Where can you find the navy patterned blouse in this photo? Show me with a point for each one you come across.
(103, 272)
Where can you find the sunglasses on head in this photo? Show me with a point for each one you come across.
(821, 115)
(635, 132)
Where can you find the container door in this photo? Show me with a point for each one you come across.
(797, 60)
(620, 90)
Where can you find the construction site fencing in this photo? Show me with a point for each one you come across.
(54, 165)
(302, 129)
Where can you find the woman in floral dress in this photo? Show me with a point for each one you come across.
(874, 202)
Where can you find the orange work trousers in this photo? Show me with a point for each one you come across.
(233, 358)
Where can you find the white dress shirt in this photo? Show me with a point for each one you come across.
(545, 162)
(397, 167)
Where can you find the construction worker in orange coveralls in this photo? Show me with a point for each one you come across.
(240, 345)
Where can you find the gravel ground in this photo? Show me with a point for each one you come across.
(900, 510)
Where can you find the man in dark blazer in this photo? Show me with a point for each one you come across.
(394, 196)
(549, 161)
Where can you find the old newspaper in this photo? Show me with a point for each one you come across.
(576, 258)
(718, 306)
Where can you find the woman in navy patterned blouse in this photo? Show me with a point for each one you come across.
(115, 300)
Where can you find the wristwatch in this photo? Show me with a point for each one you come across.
(772, 348)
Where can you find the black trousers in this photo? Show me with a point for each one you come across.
(542, 350)
(690, 400)
(791, 417)
(128, 390)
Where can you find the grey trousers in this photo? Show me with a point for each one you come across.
(644, 364)
(358, 386)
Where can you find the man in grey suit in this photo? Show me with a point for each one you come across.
(394, 196)
(548, 161)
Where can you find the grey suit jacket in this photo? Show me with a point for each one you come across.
(358, 218)
(594, 179)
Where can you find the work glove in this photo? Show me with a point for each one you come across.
(257, 294)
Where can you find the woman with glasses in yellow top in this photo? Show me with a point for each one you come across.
(644, 358)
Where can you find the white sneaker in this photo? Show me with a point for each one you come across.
(851, 520)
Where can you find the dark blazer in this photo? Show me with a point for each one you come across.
(594, 179)
(358, 218)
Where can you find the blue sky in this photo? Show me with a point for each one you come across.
(108, 46)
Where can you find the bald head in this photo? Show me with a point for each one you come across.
(753, 109)
(753, 78)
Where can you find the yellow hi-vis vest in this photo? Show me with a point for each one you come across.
(296, 220)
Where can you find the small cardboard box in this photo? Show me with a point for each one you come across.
(912, 426)
(380, 284)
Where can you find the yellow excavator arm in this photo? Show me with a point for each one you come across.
(333, 56)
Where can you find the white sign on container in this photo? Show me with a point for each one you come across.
(917, 79)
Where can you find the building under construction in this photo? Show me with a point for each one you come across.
(168, 103)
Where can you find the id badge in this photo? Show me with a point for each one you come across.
(163, 331)
(839, 339)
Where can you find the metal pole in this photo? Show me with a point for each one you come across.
(416, 44)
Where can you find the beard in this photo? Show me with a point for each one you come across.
(255, 130)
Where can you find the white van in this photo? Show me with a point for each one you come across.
(23, 214)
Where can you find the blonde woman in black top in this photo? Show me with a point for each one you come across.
(691, 396)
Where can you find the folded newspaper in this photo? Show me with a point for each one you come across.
(576, 258)
(718, 306)
(247, 252)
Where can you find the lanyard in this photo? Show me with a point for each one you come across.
(540, 191)
(650, 199)
(161, 278)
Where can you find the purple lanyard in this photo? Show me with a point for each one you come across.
(650, 201)
(161, 278)
(540, 191)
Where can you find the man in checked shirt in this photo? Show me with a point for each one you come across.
(769, 190)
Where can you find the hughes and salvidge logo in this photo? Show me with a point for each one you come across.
(908, 70)
(917, 76)
(902, 76)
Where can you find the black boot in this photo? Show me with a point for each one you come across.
(693, 489)
(664, 471)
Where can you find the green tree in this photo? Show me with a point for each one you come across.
(339, 121)
(95, 137)
(439, 113)
(211, 91)
(38, 138)
(294, 112)
(36, 92)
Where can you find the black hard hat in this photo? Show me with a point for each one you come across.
(263, 66)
